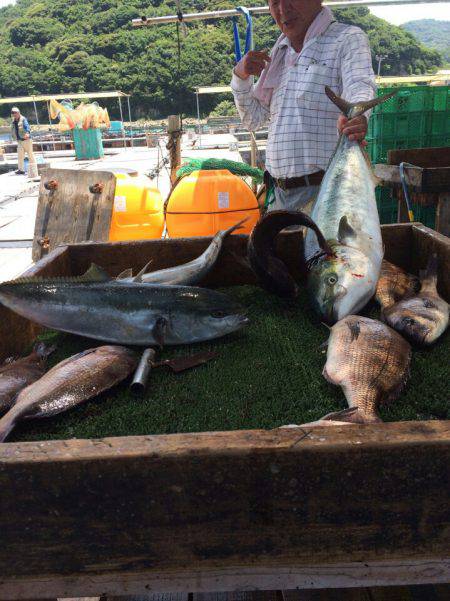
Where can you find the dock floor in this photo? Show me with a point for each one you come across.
(19, 194)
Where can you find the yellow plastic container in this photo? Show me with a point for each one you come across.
(204, 202)
(138, 211)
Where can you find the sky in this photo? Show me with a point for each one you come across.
(393, 14)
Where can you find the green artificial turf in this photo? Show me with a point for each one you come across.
(267, 375)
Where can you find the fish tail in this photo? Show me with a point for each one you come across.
(355, 109)
(429, 276)
(271, 271)
(235, 227)
(352, 415)
(43, 350)
(7, 423)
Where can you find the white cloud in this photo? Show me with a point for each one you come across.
(412, 12)
(5, 2)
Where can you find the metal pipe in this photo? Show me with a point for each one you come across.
(198, 120)
(263, 10)
(142, 373)
(121, 118)
(129, 117)
(39, 125)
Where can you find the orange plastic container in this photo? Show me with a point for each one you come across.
(138, 211)
(204, 202)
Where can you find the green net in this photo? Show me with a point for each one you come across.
(234, 167)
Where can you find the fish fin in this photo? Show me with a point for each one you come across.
(160, 330)
(345, 231)
(138, 277)
(95, 273)
(429, 276)
(355, 330)
(125, 274)
(355, 109)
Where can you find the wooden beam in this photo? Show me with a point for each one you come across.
(208, 502)
(423, 157)
(240, 578)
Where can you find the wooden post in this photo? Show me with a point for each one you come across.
(253, 156)
(174, 144)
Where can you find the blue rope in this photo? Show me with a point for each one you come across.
(248, 33)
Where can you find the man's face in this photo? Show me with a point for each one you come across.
(15, 115)
(294, 16)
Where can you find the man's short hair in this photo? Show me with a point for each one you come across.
(15, 110)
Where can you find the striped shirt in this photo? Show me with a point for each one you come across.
(302, 120)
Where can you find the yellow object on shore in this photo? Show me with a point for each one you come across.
(86, 116)
(138, 210)
(206, 201)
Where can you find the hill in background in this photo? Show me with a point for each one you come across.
(432, 33)
(59, 46)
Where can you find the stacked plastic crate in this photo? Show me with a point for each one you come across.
(416, 117)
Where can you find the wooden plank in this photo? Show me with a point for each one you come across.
(443, 214)
(420, 180)
(16, 332)
(212, 501)
(425, 242)
(240, 578)
(423, 157)
(71, 212)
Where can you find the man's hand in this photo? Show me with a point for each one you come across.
(252, 63)
(355, 129)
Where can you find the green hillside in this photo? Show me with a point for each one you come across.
(434, 34)
(57, 46)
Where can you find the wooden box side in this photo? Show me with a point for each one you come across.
(87, 510)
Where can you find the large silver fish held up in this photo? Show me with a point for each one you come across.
(346, 213)
(96, 306)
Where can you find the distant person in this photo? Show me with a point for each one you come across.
(313, 50)
(21, 132)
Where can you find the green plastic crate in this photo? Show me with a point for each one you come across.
(88, 143)
(438, 123)
(403, 125)
(378, 148)
(441, 98)
(406, 100)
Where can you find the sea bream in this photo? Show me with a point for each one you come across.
(346, 213)
(424, 317)
(70, 383)
(96, 306)
(19, 373)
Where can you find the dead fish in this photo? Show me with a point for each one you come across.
(271, 272)
(70, 383)
(370, 361)
(188, 274)
(18, 374)
(394, 284)
(424, 317)
(117, 312)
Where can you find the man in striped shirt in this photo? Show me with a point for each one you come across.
(313, 50)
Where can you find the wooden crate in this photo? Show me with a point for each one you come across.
(364, 505)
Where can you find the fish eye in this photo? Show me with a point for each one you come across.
(408, 321)
(218, 314)
(332, 279)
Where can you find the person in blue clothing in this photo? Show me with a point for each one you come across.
(21, 132)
